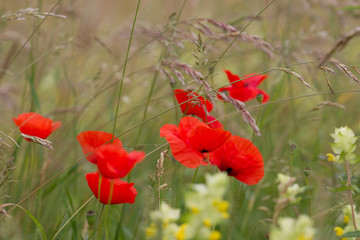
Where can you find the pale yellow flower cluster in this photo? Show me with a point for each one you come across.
(205, 210)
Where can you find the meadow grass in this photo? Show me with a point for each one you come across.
(74, 62)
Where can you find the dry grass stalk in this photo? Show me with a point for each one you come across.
(22, 13)
(344, 68)
(174, 65)
(340, 44)
(328, 70)
(356, 69)
(43, 142)
(298, 76)
(240, 106)
(208, 27)
(328, 103)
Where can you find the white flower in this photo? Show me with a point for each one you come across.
(293, 229)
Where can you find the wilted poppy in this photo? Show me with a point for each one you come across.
(34, 124)
(246, 89)
(122, 192)
(91, 140)
(240, 159)
(193, 104)
(115, 162)
(191, 141)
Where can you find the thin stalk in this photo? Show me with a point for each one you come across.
(196, 171)
(242, 30)
(124, 69)
(257, 121)
(163, 54)
(308, 195)
(77, 211)
(98, 235)
(350, 194)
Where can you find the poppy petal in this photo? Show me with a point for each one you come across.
(233, 79)
(253, 80)
(123, 192)
(266, 97)
(181, 151)
(195, 106)
(114, 162)
(91, 140)
(240, 159)
(35, 125)
(206, 139)
(212, 122)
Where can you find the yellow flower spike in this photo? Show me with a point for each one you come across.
(215, 235)
(194, 209)
(151, 230)
(207, 222)
(339, 231)
(165, 223)
(346, 219)
(180, 235)
(225, 215)
(303, 237)
(223, 206)
(331, 157)
(215, 203)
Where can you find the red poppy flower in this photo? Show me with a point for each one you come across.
(240, 159)
(36, 125)
(91, 140)
(123, 192)
(192, 139)
(196, 105)
(246, 89)
(115, 162)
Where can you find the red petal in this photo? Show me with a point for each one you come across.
(253, 81)
(244, 94)
(115, 162)
(195, 106)
(234, 79)
(36, 125)
(123, 192)
(212, 122)
(91, 140)
(265, 96)
(206, 139)
(181, 151)
(241, 159)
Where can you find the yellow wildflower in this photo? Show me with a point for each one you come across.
(180, 235)
(331, 157)
(215, 235)
(339, 231)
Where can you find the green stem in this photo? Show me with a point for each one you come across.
(77, 211)
(196, 171)
(242, 30)
(350, 194)
(98, 235)
(257, 121)
(124, 69)
(308, 195)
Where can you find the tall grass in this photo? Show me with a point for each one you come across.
(77, 70)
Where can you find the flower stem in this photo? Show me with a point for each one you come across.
(350, 194)
(196, 171)
(124, 69)
(98, 235)
(308, 195)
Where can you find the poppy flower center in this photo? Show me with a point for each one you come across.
(204, 151)
(229, 170)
